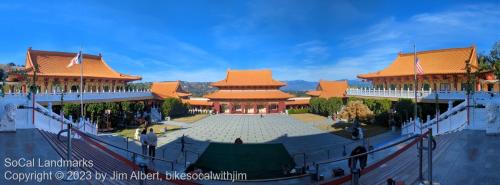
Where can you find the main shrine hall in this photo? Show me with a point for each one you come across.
(248, 92)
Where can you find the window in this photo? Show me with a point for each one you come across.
(444, 87)
(426, 87)
(393, 87)
(408, 87)
(463, 86)
(74, 88)
(273, 107)
(490, 87)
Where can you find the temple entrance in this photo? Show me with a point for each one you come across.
(261, 109)
(224, 108)
(273, 108)
(237, 108)
(249, 109)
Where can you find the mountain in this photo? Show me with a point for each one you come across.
(299, 85)
(296, 87)
(198, 89)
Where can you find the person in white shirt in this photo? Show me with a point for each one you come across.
(144, 142)
(152, 141)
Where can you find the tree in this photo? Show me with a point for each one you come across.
(404, 109)
(3, 74)
(495, 60)
(378, 106)
(173, 107)
(357, 109)
(72, 109)
(333, 105)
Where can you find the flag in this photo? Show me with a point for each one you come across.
(420, 71)
(76, 60)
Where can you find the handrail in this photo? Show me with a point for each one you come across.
(376, 164)
(123, 149)
(366, 153)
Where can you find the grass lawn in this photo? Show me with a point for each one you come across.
(322, 123)
(308, 117)
(158, 129)
(258, 161)
(191, 118)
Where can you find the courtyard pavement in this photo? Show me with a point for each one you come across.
(300, 139)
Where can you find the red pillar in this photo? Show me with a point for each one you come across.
(230, 108)
(216, 107)
(281, 106)
(243, 108)
(267, 108)
(255, 108)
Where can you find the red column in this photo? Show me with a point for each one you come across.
(216, 107)
(281, 106)
(267, 108)
(255, 108)
(230, 108)
(243, 108)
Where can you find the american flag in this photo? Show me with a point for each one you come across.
(76, 60)
(420, 71)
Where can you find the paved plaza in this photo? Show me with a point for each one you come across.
(297, 137)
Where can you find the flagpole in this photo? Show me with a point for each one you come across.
(415, 82)
(81, 86)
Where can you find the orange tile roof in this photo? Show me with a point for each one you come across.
(248, 78)
(248, 94)
(328, 89)
(198, 102)
(51, 63)
(164, 90)
(443, 61)
(301, 101)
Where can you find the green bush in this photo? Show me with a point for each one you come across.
(324, 106)
(72, 109)
(174, 107)
(298, 111)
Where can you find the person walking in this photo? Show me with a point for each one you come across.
(144, 142)
(152, 141)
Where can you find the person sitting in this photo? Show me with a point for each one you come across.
(152, 141)
(144, 142)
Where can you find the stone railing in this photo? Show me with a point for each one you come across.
(421, 94)
(52, 122)
(99, 96)
(455, 118)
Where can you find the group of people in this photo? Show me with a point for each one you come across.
(149, 141)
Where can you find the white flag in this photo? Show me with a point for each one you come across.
(76, 60)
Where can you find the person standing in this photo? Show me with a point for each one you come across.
(144, 142)
(183, 142)
(152, 141)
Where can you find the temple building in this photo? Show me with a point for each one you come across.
(248, 92)
(327, 89)
(443, 70)
(162, 90)
(53, 74)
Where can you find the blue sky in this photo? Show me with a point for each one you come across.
(200, 40)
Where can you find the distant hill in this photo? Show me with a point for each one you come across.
(299, 85)
(296, 87)
(302, 85)
(198, 89)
